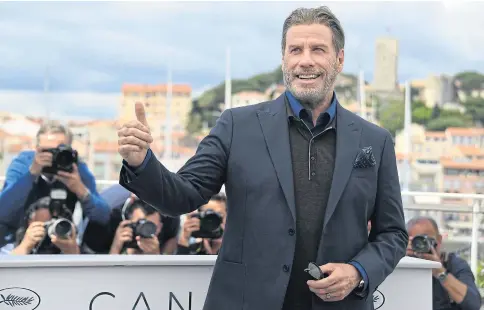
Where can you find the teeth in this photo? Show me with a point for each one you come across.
(313, 76)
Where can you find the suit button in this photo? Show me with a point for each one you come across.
(291, 232)
(285, 268)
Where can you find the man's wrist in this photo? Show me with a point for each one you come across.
(25, 248)
(115, 248)
(183, 242)
(439, 271)
(357, 276)
(35, 170)
(82, 193)
(71, 250)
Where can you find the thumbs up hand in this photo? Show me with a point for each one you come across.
(134, 138)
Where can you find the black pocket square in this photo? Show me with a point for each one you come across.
(365, 158)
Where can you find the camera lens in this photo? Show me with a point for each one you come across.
(145, 229)
(420, 244)
(62, 228)
(211, 221)
(65, 158)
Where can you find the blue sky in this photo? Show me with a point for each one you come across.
(91, 48)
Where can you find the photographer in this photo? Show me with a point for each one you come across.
(454, 284)
(139, 232)
(41, 219)
(40, 173)
(202, 231)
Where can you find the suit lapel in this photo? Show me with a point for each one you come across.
(275, 128)
(348, 134)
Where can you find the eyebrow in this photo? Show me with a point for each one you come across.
(323, 45)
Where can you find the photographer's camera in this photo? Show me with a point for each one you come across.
(63, 159)
(142, 228)
(423, 244)
(210, 225)
(61, 228)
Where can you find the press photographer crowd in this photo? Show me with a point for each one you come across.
(50, 205)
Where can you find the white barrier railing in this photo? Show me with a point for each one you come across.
(475, 207)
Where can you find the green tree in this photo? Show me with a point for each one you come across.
(418, 104)
(435, 112)
(475, 108)
(470, 80)
(392, 116)
(480, 275)
(421, 114)
(443, 122)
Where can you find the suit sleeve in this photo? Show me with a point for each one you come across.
(194, 184)
(388, 237)
(18, 184)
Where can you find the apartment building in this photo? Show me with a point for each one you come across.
(107, 161)
(154, 97)
(450, 161)
(245, 98)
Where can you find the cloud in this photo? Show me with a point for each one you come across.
(96, 46)
(61, 105)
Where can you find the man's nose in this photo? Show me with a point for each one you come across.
(307, 59)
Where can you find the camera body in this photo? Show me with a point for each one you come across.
(210, 225)
(423, 244)
(142, 228)
(63, 159)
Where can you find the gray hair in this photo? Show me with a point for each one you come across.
(420, 219)
(320, 15)
(54, 127)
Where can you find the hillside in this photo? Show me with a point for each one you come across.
(209, 103)
(207, 107)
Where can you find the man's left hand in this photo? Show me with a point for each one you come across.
(434, 256)
(149, 245)
(73, 181)
(342, 280)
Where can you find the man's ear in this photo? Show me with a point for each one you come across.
(340, 59)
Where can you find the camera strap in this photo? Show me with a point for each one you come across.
(125, 207)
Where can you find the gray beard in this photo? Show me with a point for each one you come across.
(311, 97)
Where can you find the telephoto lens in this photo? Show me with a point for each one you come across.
(61, 228)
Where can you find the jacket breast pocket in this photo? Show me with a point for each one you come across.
(226, 286)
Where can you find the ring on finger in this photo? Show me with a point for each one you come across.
(328, 295)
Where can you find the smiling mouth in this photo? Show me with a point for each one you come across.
(308, 76)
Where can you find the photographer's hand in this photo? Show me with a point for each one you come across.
(73, 182)
(41, 160)
(33, 235)
(409, 247)
(123, 234)
(149, 245)
(434, 256)
(190, 225)
(213, 246)
(67, 246)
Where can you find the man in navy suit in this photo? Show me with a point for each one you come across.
(303, 177)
